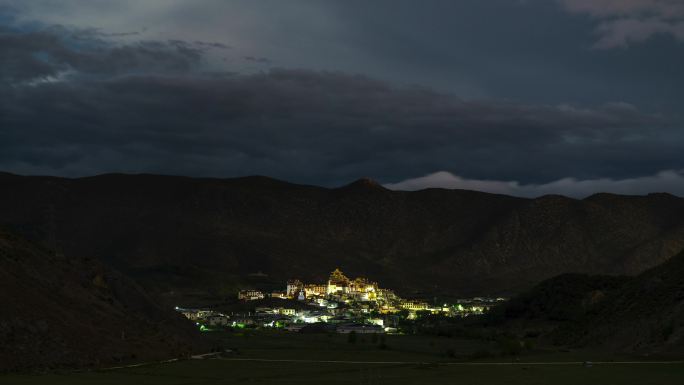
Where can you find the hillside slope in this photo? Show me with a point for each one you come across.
(564, 298)
(640, 314)
(189, 234)
(73, 313)
(645, 315)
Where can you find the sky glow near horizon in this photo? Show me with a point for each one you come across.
(524, 98)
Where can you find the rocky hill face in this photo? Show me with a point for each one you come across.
(639, 314)
(184, 234)
(645, 315)
(72, 313)
(565, 298)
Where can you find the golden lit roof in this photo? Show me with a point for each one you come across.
(337, 277)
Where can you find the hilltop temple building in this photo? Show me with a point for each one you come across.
(363, 296)
(338, 285)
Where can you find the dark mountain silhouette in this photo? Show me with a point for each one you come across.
(567, 297)
(640, 314)
(645, 315)
(191, 234)
(62, 312)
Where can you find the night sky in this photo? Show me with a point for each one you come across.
(524, 97)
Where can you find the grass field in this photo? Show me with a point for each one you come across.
(406, 360)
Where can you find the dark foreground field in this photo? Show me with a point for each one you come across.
(281, 358)
(236, 372)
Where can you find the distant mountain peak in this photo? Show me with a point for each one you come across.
(7, 174)
(365, 184)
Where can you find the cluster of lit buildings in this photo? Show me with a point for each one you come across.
(340, 305)
(363, 296)
(341, 289)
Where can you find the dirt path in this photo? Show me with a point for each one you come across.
(456, 363)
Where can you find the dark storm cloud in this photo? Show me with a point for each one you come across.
(212, 44)
(254, 59)
(49, 52)
(75, 104)
(626, 22)
(532, 51)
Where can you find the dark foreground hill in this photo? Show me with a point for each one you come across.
(645, 315)
(642, 314)
(567, 297)
(187, 234)
(72, 313)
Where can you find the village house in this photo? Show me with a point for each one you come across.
(250, 295)
(360, 329)
(414, 305)
(218, 320)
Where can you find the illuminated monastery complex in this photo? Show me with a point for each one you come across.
(343, 289)
(338, 284)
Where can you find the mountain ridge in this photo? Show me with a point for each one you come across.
(181, 232)
(62, 312)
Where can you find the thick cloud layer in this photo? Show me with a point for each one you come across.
(533, 51)
(45, 54)
(661, 8)
(88, 107)
(78, 102)
(624, 22)
(664, 181)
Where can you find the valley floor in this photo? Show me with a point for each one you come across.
(284, 358)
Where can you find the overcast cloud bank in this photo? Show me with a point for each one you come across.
(625, 22)
(671, 181)
(77, 102)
